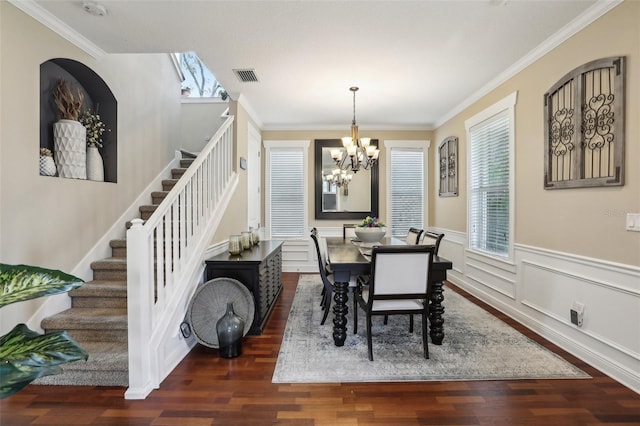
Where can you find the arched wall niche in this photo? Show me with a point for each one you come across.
(97, 96)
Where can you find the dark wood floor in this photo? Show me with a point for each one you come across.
(208, 390)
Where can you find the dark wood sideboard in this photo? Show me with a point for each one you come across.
(259, 269)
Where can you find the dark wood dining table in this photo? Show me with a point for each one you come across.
(346, 260)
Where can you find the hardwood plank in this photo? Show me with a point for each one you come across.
(208, 390)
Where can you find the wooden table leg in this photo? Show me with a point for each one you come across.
(436, 310)
(340, 311)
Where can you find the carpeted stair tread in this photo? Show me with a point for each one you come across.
(117, 263)
(167, 184)
(101, 288)
(87, 319)
(177, 173)
(107, 366)
(158, 196)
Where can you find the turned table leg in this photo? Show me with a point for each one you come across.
(436, 310)
(340, 311)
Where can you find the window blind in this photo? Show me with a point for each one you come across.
(287, 193)
(407, 190)
(489, 185)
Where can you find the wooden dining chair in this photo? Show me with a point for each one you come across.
(432, 238)
(327, 290)
(413, 236)
(326, 276)
(399, 285)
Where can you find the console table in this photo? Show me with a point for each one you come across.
(259, 269)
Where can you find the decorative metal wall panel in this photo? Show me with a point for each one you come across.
(584, 126)
(448, 155)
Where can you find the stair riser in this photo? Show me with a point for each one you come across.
(109, 275)
(177, 173)
(119, 252)
(157, 199)
(168, 185)
(99, 302)
(185, 163)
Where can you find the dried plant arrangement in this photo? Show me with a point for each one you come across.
(46, 152)
(68, 103)
(95, 128)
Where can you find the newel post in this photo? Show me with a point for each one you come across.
(139, 310)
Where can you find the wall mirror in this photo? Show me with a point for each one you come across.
(354, 199)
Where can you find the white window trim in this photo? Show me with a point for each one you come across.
(416, 144)
(271, 144)
(508, 103)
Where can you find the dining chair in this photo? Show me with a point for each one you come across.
(432, 238)
(348, 231)
(413, 236)
(327, 278)
(399, 285)
(327, 288)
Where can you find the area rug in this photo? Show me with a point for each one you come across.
(477, 346)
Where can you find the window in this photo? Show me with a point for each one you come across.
(490, 145)
(286, 195)
(584, 126)
(406, 183)
(197, 80)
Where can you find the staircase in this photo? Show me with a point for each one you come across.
(97, 319)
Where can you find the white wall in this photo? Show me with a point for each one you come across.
(53, 222)
(199, 120)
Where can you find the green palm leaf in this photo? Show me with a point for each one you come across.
(23, 282)
(26, 355)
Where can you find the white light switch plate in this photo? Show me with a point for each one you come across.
(633, 222)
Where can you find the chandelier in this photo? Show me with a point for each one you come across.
(338, 177)
(356, 152)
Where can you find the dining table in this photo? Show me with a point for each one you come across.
(348, 258)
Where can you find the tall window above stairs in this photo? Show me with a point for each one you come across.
(197, 80)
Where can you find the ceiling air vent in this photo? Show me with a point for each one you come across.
(246, 76)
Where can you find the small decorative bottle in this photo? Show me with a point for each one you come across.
(254, 235)
(230, 329)
(235, 244)
(246, 240)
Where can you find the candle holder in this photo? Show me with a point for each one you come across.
(246, 240)
(235, 244)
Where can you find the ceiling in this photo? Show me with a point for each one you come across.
(416, 62)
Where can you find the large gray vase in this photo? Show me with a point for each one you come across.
(230, 329)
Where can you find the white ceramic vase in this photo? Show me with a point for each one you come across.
(70, 146)
(47, 166)
(95, 166)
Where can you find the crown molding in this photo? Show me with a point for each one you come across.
(345, 127)
(40, 14)
(579, 23)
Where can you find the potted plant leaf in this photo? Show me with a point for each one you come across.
(24, 354)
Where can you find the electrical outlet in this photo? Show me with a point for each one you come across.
(577, 313)
(633, 222)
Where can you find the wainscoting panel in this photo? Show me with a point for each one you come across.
(542, 286)
(491, 274)
(299, 256)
